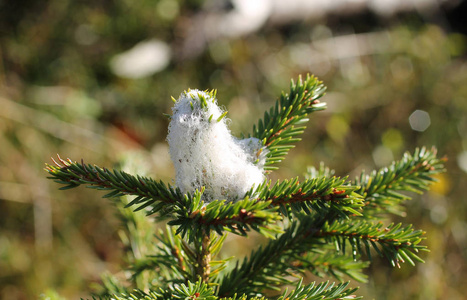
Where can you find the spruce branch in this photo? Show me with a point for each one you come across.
(322, 171)
(395, 243)
(244, 297)
(110, 285)
(198, 290)
(189, 212)
(117, 183)
(322, 291)
(138, 241)
(413, 173)
(177, 261)
(281, 126)
(238, 218)
(269, 266)
(297, 250)
(265, 268)
(320, 195)
(172, 261)
(331, 264)
(165, 266)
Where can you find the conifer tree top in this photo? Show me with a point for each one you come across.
(323, 224)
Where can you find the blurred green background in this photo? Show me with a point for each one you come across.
(91, 80)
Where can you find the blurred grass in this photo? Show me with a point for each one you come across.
(58, 94)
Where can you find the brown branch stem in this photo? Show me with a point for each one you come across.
(204, 259)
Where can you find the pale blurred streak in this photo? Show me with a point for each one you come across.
(462, 161)
(354, 45)
(33, 188)
(49, 123)
(247, 17)
(344, 51)
(144, 59)
(14, 191)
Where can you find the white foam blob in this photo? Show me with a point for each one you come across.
(205, 153)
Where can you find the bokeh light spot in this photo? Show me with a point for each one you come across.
(462, 161)
(85, 35)
(168, 9)
(419, 120)
(438, 214)
(442, 185)
(382, 156)
(337, 128)
(393, 139)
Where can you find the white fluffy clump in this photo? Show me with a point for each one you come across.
(206, 154)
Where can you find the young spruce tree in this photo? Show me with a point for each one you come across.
(326, 225)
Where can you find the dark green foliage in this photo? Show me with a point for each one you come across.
(323, 225)
(292, 253)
